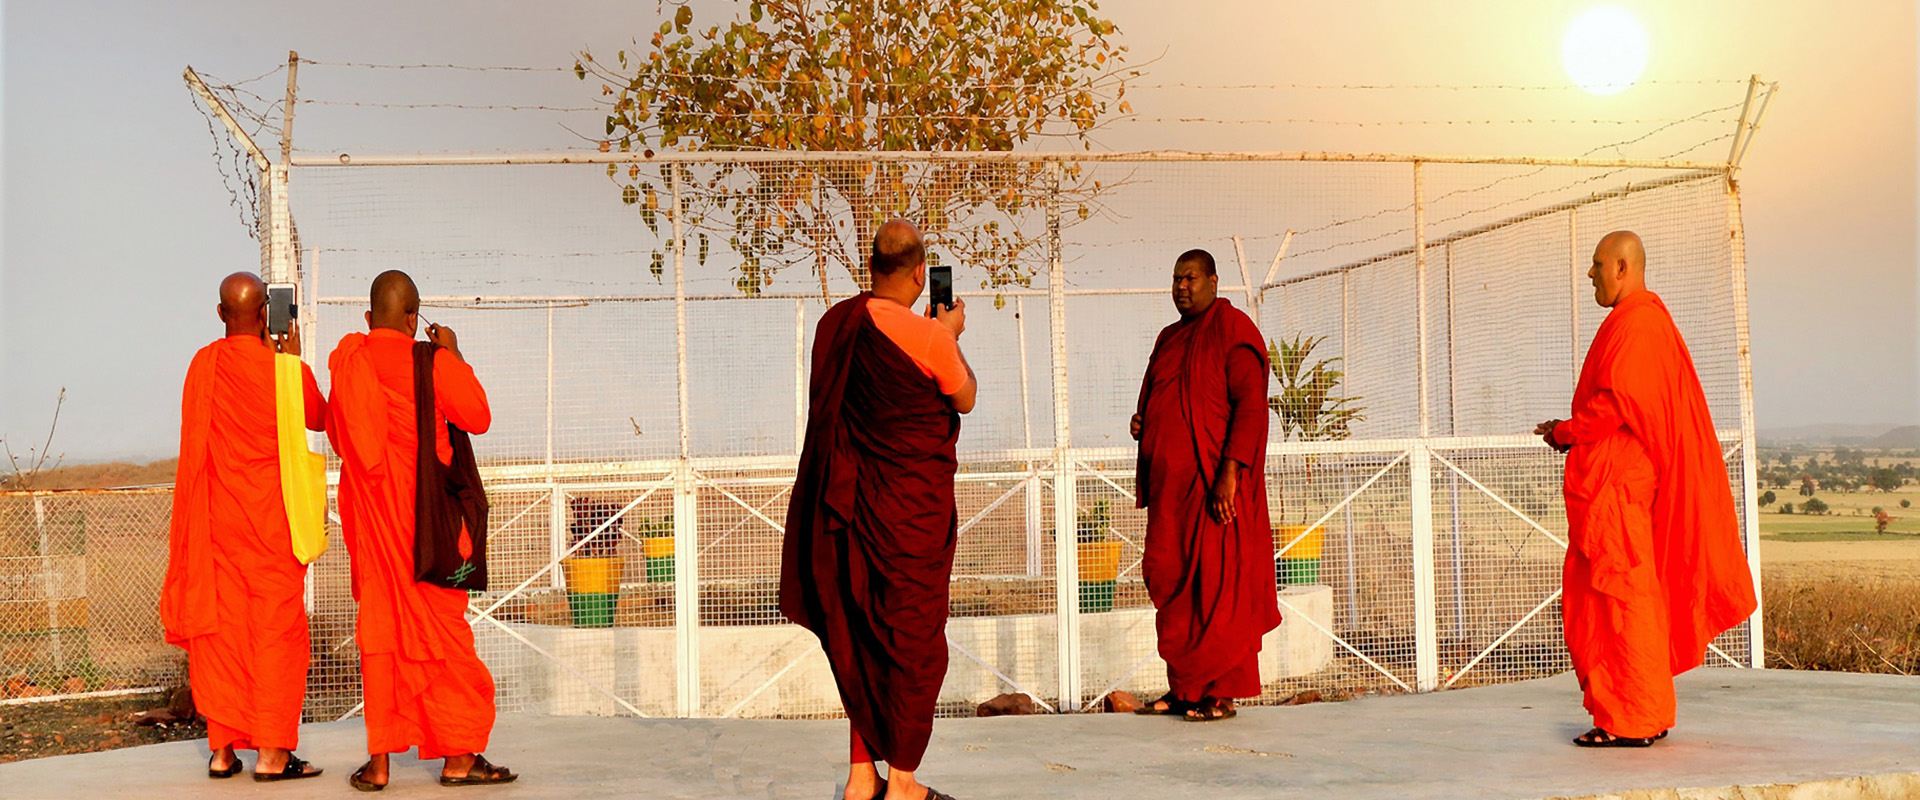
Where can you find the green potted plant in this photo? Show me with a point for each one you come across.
(1310, 408)
(1099, 557)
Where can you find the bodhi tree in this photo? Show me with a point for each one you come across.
(813, 75)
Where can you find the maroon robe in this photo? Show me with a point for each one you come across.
(871, 531)
(1204, 399)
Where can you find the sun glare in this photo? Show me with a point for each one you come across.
(1605, 50)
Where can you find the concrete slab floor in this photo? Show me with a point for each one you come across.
(1737, 727)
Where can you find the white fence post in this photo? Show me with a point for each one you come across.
(1065, 482)
(1420, 468)
(1026, 441)
(686, 528)
(1749, 466)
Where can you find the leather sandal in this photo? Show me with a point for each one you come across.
(231, 770)
(358, 780)
(293, 771)
(481, 773)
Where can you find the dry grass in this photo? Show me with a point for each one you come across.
(1844, 621)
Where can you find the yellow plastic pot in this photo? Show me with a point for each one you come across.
(1099, 561)
(1308, 546)
(591, 575)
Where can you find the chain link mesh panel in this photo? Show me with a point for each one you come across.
(649, 406)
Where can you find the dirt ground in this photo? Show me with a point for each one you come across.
(84, 726)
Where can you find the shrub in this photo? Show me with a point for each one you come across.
(1767, 497)
(1814, 505)
(1905, 503)
(1786, 508)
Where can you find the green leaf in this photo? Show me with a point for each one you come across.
(579, 71)
(658, 267)
(628, 194)
(682, 18)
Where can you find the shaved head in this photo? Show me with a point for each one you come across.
(897, 246)
(243, 301)
(1619, 268)
(395, 302)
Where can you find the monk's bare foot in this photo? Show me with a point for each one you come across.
(273, 762)
(863, 783)
(902, 785)
(471, 769)
(222, 761)
(375, 770)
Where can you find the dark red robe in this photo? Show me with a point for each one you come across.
(1655, 568)
(1204, 399)
(871, 531)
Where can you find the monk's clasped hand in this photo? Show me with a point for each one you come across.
(1544, 430)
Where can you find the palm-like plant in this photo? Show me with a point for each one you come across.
(1308, 408)
(1306, 405)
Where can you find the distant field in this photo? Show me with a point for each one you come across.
(103, 476)
(1849, 515)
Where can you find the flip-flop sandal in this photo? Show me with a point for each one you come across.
(293, 771)
(488, 774)
(936, 794)
(1593, 738)
(1211, 709)
(358, 780)
(1175, 707)
(877, 793)
(231, 770)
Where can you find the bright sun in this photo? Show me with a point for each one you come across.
(1605, 50)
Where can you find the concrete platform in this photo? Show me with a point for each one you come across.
(1826, 735)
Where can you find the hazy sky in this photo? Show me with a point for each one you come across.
(117, 227)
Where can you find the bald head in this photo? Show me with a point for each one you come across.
(395, 303)
(243, 302)
(897, 246)
(1619, 268)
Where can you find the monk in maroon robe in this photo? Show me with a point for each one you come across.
(872, 524)
(1202, 428)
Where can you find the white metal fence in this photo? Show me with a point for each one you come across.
(648, 408)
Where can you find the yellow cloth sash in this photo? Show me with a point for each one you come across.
(303, 473)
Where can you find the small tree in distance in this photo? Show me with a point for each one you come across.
(1766, 498)
(1814, 505)
(813, 75)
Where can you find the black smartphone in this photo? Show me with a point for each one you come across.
(281, 308)
(940, 286)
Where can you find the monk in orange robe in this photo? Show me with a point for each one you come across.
(425, 686)
(1655, 569)
(1202, 428)
(234, 593)
(872, 526)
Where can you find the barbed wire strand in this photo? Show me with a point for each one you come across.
(999, 85)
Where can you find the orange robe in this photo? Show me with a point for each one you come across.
(424, 684)
(1655, 568)
(233, 597)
